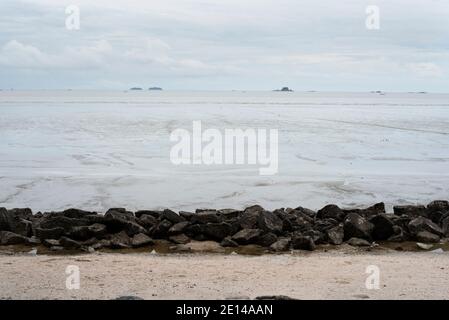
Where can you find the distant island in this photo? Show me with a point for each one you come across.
(135, 88)
(155, 89)
(284, 89)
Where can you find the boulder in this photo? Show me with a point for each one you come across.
(283, 244)
(217, 231)
(77, 213)
(302, 242)
(335, 235)
(186, 214)
(147, 221)
(357, 242)
(437, 210)
(331, 211)
(66, 223)
(378, 208)
(153, 213)
(383, 227)
(305, 211)
(141, 240)
(161, 229)
(411, 211)
(120, 240)
(171, 216)
(179, 239)
(267, 239)
(4, 221)
(205, 217)
(356, 226)
(178, 228)
(51, 243)
(423, 224)
(269, 222)
(9, 238)
(53, 233)
(95, 230)
(427, 237)
(228, 242)
(247, 236)
(69, 243)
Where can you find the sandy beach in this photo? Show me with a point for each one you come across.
(336, 274)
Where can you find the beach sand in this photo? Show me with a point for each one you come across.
(335, 274)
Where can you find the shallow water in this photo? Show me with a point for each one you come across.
(95, 150)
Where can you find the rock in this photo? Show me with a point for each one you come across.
(335, 235)
(378, 208)
(205, 217)
(437, 210)
(22, 213)
(228, 242)
(246, 236)
(269, 222)
(147, 221)
(9, 238)
(60, 221)
(120, 240)
(383, 227)
(56, 248)
(427, 237)
(331, 211)
(305, 211)
(277, 297)
(96, 230)
(54, 233)
(15, 220)
(179, 239)
(171, 216)
(140, 240)
(267, 239)
(181, 248)
(398, 235)
(356, 226)
(51, 243)
(69, 243)
(153, 213)
(178, 227)
(21, 226)
(302, 242)
(161, 229)
(117, 221)
(423, 224)
(128, 298)
(76, 213)
(32, 241)
(282, 244)
(411, 211)
(445, 226)
(4, 221)
(120, 213)
(186, 215)
(217, 231)
(254, 208)
(357, 242)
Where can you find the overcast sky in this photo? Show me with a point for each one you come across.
(227, 44)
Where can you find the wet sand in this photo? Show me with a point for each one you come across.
(335, 274)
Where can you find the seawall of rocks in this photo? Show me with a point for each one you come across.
(278, 230)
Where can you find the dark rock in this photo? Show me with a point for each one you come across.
(378, 208)
(411, 211)
(120, 240)
(278, 297)
(140, 240)
(186, 215)
(307, 212)
(153, 213)
(427, 237)
(22, 213)
(9, 238)
(357, 242)
(76, 213)
(228, 242)
(96, 230)
(331, 211)
(63, 222)
(69, 243)
(147, 221)
(383, 227)
(335, 235)
(398, 236)
(179, 239)
(54, 233)
(423, 224)
(217, 231)
(302, 242)
(171, 216)
(4, 220)
(246, 236)
(267, 239)
(445, 226)
(438, 205)
(178, 227)
(51, 243)
(161, 229)
(128, 298)
(32, 241)
(356, 226)
(254, 208)
(205, 217)
(122, 220)
(21, 226)
(229, 213)
(283, 244)
(269, 222)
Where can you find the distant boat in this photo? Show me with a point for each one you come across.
(284, 89)
(155, 89)
(135, 88)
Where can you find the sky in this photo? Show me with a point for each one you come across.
(320, 45)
